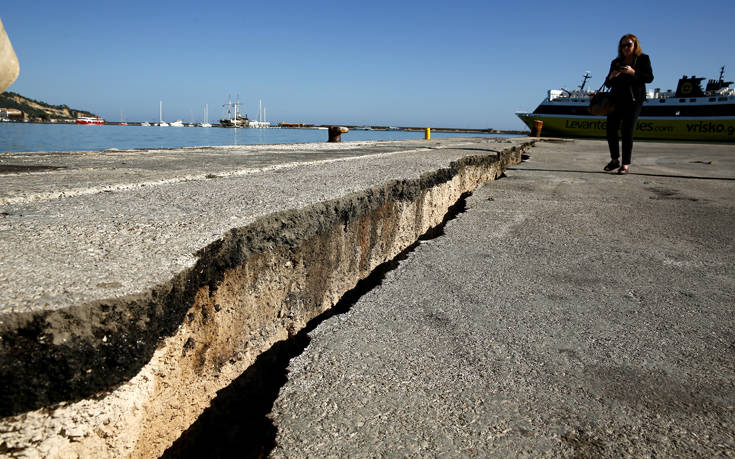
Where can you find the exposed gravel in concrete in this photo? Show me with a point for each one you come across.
(568, 312)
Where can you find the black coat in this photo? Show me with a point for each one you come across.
(631, 89)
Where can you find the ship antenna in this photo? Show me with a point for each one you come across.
(584, 81)
(722, 73)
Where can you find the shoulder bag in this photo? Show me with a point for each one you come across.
(602, 102)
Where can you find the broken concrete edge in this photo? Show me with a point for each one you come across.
(273, 275)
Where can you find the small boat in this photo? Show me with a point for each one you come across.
(160, 116)
(145, 123)
(206, 117)
(261, 121)
(689, 113)
(177, 123)
(95, 121)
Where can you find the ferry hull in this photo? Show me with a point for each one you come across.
(716, 129)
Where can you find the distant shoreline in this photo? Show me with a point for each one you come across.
(319, 126)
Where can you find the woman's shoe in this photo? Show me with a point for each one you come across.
(623, 170)
(614, 164)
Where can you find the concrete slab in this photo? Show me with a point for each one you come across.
(136, 284)
(87, 226)
(567, 312)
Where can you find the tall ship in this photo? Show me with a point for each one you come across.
(689, 113)
(93, 120)
(236, 120)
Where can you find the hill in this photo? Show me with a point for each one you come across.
(36, 109)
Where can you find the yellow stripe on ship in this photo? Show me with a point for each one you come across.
(711, 129)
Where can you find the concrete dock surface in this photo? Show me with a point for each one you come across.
(136, 284)
(568, 312)
(564, 311)
(121, 221)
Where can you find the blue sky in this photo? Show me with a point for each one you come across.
(450, 64)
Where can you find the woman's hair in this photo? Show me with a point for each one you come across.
(636, 45)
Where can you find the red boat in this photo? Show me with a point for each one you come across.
(90, 120)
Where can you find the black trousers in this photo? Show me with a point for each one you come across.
(623, 118)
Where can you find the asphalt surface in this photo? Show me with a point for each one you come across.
(566, 312)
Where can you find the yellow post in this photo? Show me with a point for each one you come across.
(427, 134)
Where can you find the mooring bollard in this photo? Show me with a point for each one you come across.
(536, 129)
(335, 133)
(427, 134)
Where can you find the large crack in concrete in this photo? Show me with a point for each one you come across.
(236, 424)
(166, 353)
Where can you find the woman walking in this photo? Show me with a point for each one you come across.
(629, 73)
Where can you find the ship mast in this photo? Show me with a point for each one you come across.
(584, 81)
(229, 107)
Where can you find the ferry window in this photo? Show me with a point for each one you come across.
(692, 100)
(722, 98)
(682, 100)
(711, 99)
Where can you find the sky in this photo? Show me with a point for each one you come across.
(464, 64)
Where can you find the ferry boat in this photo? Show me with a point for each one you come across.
(689, 113)
(90, 120)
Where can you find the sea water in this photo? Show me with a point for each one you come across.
(33, 137)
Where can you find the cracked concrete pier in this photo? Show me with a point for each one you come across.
(568, 312)
(136, 284)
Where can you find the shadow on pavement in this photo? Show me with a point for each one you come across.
(692, 177)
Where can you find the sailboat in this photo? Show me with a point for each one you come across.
(160, 116)
(206, 117)
(122, 119)
(261, 122)
(237, 121)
